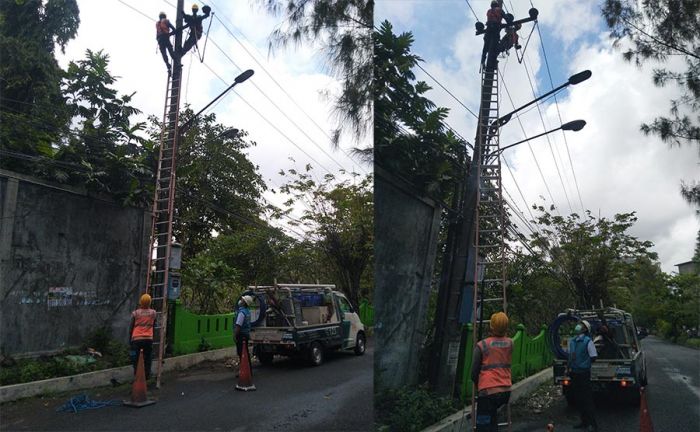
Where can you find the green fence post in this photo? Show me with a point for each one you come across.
(517, 367)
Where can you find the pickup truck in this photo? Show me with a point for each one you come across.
(620, 366)
(303, 321)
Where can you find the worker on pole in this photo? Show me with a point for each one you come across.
(582, 354)
(143, 320)
(491, 373)
(194, 22)
(163, 28)
(494, 16)
(243, 326)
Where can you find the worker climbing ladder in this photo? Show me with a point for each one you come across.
(490, 220)
(158, 275)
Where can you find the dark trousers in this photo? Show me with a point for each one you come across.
(487, 409)
(166, 47)
(191, 41)
(583, 392)
(147, 347)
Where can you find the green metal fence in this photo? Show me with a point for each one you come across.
(366, 313)
(530, 355)
(193, 333)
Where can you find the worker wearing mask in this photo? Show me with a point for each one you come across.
(582, 354)
(242, 330)
(491, 373)
(143, 320)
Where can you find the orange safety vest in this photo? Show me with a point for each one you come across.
(162, 27)
(496, 355)
(144, 320)
(494, 15)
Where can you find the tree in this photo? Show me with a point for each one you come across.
(658, 30)
(343, 28)
(586, 255)
(411, 137)
(33, 111)
(339, 219)
(219, 188)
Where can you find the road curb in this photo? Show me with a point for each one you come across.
(519, 389)
(102, 377)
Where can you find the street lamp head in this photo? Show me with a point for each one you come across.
(580, 77)
(230, 133)
(533, 13)
(575, 125)
(244, 76)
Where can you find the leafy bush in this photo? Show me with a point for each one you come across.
(410, 409)
(693, 343)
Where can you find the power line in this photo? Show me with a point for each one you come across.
(544, 129)
(566, 143)
(278, 84)
(278, 108)
(522, 128)
(472, 9)
(448, 92)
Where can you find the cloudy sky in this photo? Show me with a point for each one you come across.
(238, 41)
(617, 169)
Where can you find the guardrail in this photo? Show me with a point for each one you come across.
(192, 331)
(530, 355)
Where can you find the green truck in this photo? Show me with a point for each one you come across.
(304, 320)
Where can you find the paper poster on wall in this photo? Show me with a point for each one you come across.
(60, 296)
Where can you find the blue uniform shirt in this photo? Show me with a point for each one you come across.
(243, 319)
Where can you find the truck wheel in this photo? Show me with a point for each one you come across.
(266, 358)
(360, 344)
(315, 354)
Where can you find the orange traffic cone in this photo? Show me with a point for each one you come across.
(645, 424)
(245, 379)
(138, 389)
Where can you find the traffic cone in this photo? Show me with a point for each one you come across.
(138, 389)
(245, 379)
(645, 424)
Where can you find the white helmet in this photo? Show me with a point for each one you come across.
(248, 300)
(583, 325)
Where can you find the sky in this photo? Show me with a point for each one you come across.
(305, 119)
(609, 167)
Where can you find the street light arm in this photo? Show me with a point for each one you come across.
(575, 126)
(573, 80)
(239, 79)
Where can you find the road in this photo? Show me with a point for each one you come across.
(673, 397)
(290, 396)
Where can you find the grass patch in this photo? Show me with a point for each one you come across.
(410, 409)
(69, 362)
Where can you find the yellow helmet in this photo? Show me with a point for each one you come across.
(499, 323)
(145, 301)
(195, 7)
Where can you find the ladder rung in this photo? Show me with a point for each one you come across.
(491, 280)
(484, 246)
(490, 300)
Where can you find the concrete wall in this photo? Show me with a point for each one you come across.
(69, 263)
(406, 238)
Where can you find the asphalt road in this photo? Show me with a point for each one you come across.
(673, 397)
(290, 396)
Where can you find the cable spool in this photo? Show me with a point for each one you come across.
(553, 335)
(263, 307)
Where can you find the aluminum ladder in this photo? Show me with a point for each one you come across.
(490, 222)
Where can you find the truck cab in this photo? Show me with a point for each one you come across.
(620, 366)
(303, 320)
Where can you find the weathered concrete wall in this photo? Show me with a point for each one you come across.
(69, 263)
(406, 239)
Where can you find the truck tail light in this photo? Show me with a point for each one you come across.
(566, 382)
(623, 383)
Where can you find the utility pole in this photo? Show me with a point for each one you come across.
(457, 300)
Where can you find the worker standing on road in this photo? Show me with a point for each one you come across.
(494, 16)
(163, 28)
(582, 353)
(242, 332)
(491, 373)
(143, 320)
